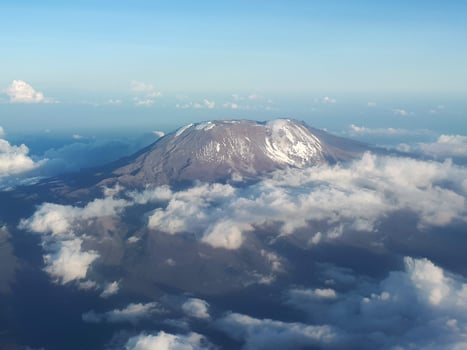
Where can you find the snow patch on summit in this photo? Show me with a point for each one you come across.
(181, 130)
(291, 143)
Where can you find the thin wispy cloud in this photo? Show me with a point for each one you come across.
(146, 93)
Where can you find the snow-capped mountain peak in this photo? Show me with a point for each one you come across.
(221, 150)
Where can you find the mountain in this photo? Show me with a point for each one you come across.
(234, 149)
(213, 151)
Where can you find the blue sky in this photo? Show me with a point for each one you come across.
(169, 62)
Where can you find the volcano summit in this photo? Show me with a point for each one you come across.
(231, 150)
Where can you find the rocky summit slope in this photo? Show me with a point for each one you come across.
(237, 149)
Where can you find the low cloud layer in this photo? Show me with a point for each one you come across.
(353, 198)
(423, 306)
(356, 198)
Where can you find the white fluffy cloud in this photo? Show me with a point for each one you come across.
(167, 341)
(190, 210)
(422, 306)
(270, 334)
(65, 261)
(14, 159)
(132, 313)
(196, 308)
(447, 146)
(21, 92)
(69, 262)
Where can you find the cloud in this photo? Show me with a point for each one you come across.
(270, 334)
(159, 133)
(226, 234)
(133, 313)
(252, 102)
(14, 159)
(147, 94)
(355, 197)
(205, 104)
(64, 259)
(167, 341)
(89, 152)
(59, 220)
(231, 105)
(21, 92)
(69, 262)
(110, 289)
(196, 308)
(446, 145)
(355, 130)
(421, 306)
(139, 86)
(328, 100)
(402, 112)
(187, 210)
(318, 293)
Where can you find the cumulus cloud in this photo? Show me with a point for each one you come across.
(422, 306)
(14, 159)
(270, 334)
(196, 308)
(446, 146)
(167, 341)
(58, 220)
(64, 259)
(226, 234)
(187, 210)
(21, 92)
(110, 289)
(69, 262)
(133, 313)
(354, 197)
